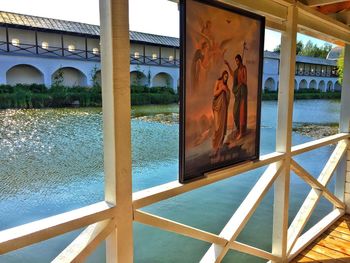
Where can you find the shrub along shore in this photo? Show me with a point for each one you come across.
(23, 96)
(38, 96)
(304, 94)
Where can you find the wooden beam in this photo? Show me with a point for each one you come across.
(322, 25)
(35, 232)
(168, 190)
(299, 170)
(344, 125)
(242, 215)
(312, 145)
(334, 8)
(313, 197)
(308, 237)
(81, 248)
(270, 9)
(172, 226)
(280, 27)
(253, 251)
(115, 61)
(343, 17)
(322, 2)
(284, 133)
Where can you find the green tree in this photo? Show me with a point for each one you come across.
(310, 49)
(340, 64)
(300, 46)
(94, 77)
(139, 76)
(58, 78)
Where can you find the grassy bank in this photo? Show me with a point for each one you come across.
(38, 96)
(304, 94)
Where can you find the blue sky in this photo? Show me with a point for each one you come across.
(151, 16)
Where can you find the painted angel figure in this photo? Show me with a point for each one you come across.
(208, 53)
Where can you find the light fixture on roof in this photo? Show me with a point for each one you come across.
(95, 51)
(44, 45)
(171, 58)
(71, 48)
(15, 42)
(154, 56)
(136, 55)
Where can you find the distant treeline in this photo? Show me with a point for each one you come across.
(23, 96)
(304, 94)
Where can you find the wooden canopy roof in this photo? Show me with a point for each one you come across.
(338, 9)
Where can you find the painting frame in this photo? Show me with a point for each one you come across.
(185, 174)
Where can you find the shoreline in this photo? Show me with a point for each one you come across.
(316, 130)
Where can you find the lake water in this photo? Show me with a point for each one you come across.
(51, 161)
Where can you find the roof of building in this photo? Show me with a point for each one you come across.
(57, 25)
(303, 59)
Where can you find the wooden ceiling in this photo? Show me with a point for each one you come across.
(338, 9)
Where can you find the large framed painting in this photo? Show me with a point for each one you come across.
(220, 95)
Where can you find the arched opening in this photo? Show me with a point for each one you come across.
(295, 85)
(270, 84)
(329, 86)
(303, 84)
(138, 78)
(337, 86)
(162, 80)
(24, 74)
(322, 86)
(313, 84)
(68, 76)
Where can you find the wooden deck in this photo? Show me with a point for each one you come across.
(331, 246)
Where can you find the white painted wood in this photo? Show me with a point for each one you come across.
(284, 133)
(270, 9)
(34, 232)
(314, 232)
(340, 180)
(312, 145)
(242, 215)
(81, 248)
(313, 197)
(172, 226)
(276, 26)
(115, 60)
(299, 170)
(168, 190)
(253, 251)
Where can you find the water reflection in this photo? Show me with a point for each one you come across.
(51, 161)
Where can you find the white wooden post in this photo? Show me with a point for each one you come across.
(284, 134)
(344, 126)
(115, 50)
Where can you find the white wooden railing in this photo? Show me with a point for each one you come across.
(100, 221)
(112, 219)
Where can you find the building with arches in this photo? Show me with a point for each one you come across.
(35, 49)
(310, 73)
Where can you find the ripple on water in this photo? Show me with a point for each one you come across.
(44, 149)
